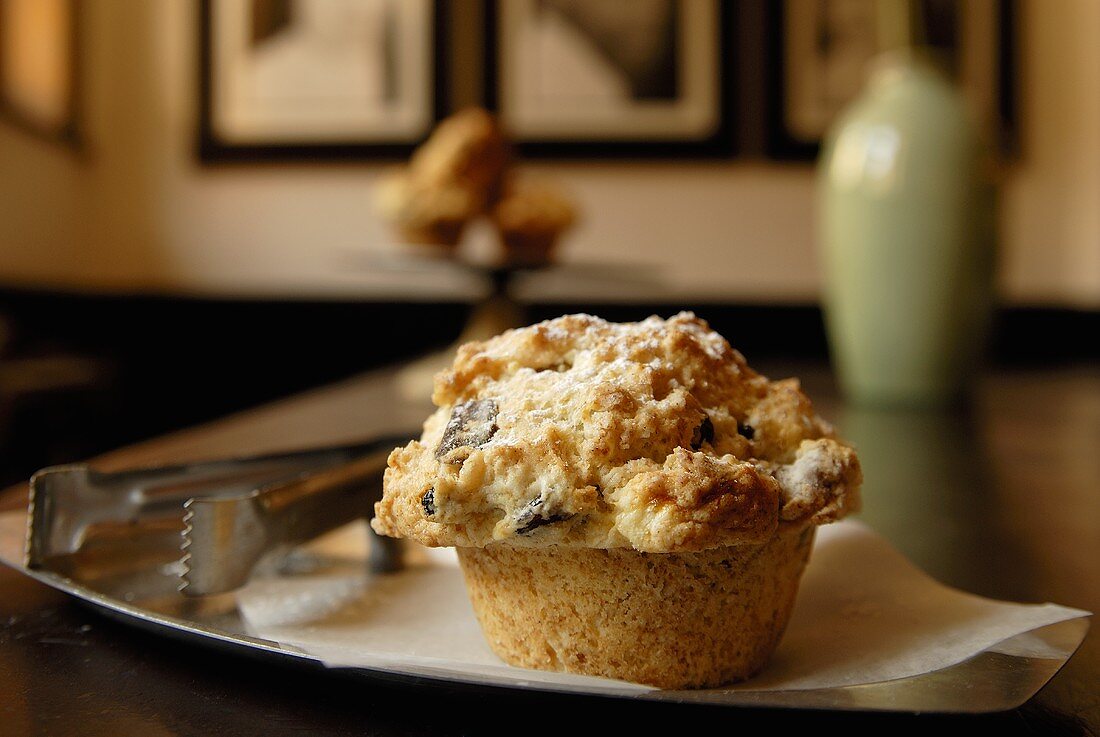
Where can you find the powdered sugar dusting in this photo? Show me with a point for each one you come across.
(629, 434)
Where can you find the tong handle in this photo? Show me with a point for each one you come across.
(311, 506)
(224, 538)
(66, 501)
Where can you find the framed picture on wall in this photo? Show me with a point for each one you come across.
(604, 78)
(38, 67)
(820, 52)
(285, 79)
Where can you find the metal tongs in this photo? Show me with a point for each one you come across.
(214, 520)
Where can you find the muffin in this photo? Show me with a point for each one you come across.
(434, 215)
(467, 149)
(454, 177)
(627, 500)
(530, 217)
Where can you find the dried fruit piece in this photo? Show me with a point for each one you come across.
(746, 431)
(535, 515)
(703, 434)
(472, 425)
(427, 502)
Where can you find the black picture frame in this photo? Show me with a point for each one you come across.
(781, 144)
(721, 143)
(68, 132)
(212, 149)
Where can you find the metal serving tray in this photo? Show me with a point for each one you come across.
(140, 588)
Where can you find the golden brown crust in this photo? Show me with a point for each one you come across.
(653, 435)
(680, 620)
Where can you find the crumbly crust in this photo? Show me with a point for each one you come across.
(654, 435)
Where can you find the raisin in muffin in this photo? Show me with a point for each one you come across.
(627, 500)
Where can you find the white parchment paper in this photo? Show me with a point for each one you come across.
(864, 615)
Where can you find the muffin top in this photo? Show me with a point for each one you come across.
(401, 199)
(467, 149)
(653, 435)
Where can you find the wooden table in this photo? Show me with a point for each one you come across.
(1002, 499)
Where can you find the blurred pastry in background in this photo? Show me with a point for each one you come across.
(468, 150)
(463, 172)
(426, 214)
(531, 216)
(453, 177)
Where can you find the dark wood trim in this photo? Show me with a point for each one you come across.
(779, 143)
(1020, 335)
(151, 364)
(212, 150)
(721, 144)
(1008, 70)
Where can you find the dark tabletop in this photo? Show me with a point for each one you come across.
(1001, 498)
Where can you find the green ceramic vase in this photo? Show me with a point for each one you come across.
(907, 232)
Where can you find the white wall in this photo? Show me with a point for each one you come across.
(139, 212)
(1051, 206)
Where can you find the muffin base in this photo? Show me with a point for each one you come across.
(529, 249)
(671, 620)
(444, 234)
